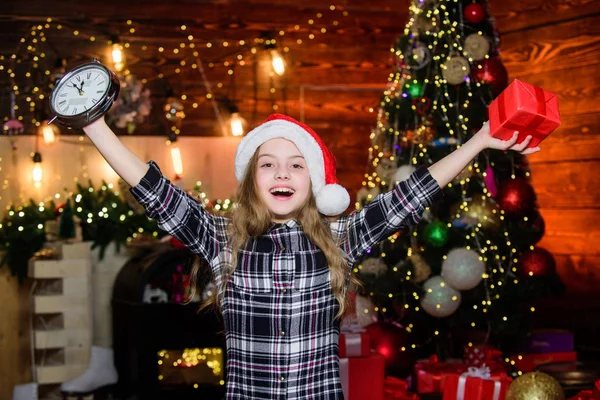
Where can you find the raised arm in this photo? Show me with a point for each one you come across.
(448, 168)
(126, 164)
(386, 214)
(176, 212)
(404, 205)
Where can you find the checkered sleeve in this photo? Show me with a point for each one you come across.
(178, 213)
(386, 214)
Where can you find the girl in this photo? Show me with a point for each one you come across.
(281, 267)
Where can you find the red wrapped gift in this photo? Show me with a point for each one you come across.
(586, 395)
(363, 377)
(397, 389)
(525, 108)
(482, 355)
(528, 362)
(355, 345)
(431, 374)
(476, 384)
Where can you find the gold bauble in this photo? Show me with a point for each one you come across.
(465, 174)
(477, 211)
(535, 386)
(385, 169)
(365, 195)
(477, 46)
(421, 270)
(455, 70)
(486, 212)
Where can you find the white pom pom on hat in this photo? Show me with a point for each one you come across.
(332, 198)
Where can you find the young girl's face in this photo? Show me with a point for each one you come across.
(282, 178)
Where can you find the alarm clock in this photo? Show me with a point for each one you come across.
(84, 94)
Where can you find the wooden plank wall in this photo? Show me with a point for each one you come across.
(556, 45)
(15, 363)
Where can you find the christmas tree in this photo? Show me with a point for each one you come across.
(66, 224)
(471, 265)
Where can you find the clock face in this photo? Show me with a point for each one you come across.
(80, 91)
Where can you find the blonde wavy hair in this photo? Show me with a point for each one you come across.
(251, 218)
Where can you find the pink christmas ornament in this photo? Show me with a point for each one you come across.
(490, 181)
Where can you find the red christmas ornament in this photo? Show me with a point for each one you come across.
(492, 72)
(474, 13)
(516, 197)
(537, 262)
(58, 210)
(391, 341)
(176, 243)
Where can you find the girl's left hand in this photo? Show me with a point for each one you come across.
(490, 142)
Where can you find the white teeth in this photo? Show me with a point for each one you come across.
(282, 190)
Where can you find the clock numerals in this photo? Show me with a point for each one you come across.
(62, 102)
(89, 75)
(75, 111)
(100, 91)
(94, 101)
(78, 78)
(63, 95)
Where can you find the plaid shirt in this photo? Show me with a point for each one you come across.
(278, 308)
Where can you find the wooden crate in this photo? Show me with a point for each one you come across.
(62, 313)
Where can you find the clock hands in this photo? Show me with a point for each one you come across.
(79, 89)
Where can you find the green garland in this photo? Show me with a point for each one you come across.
(105, 215)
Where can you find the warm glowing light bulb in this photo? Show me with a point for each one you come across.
(37, 172)
(177, 162)
(118, 57)
(48, 134)
(237, 124)
(277, 61)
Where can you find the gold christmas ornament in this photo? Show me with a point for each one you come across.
(477, 211)
(477, 46)
(365, 195)
(455, 70)
(421, 270)
(373, 266)
(465, 174)
(385, 169)
(535, 386)
(424, 23)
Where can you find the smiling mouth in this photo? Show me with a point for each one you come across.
(282, 193)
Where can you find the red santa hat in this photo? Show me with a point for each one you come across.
(332, 198)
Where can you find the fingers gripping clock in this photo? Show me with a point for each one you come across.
(84, 94)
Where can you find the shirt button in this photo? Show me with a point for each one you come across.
(282, 378)
(282, 248)
(282, 333)
(283, 290)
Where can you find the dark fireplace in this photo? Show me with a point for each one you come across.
(165, 349)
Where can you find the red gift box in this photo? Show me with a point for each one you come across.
(354, 345)
(525, 108)
(431, 374)
(548, 341)
(586, 395)
(363, 377)
(482, 355)
(528, 362)
(397, 389)
(476, 384)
